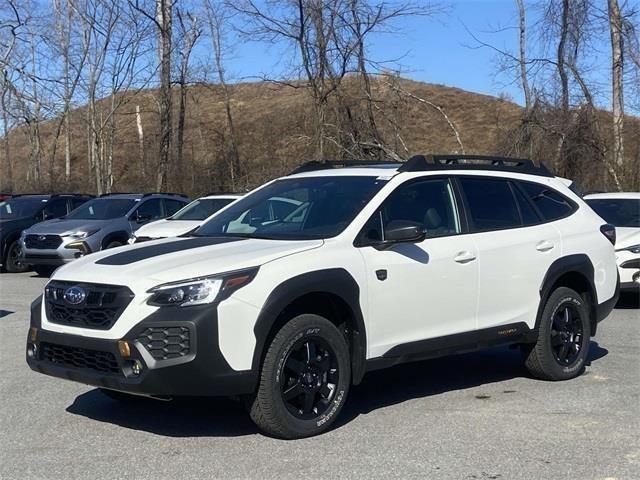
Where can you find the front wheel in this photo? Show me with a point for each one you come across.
(564, 336)
(304, 380)
(13, 262)
(113, 244)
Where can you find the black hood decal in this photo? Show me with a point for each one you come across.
(143, 253)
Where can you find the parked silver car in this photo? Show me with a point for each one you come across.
(104, 222)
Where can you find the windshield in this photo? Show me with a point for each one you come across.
(621, 212)
(21, 207)
(102, 209)
(201, 209)
(295, 209)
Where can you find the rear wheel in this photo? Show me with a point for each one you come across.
(564, 336)
(304, 380)
(13, 262)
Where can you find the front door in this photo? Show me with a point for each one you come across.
(418, 291)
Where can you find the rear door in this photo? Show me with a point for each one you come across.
(515, 250)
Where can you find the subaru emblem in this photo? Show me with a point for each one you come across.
(75, 295)
(42, 238)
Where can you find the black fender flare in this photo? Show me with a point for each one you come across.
(577, 263)
(334, 281)
(122, 235)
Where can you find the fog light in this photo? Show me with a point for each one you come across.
(123, 347)
(32, 351)
(136, 368)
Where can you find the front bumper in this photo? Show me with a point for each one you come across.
(200, 370)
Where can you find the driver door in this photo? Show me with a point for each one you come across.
(424, 290)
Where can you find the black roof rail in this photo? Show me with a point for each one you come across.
(210, 194)
(117, 193)
(148, 194)
(420, 163)
(72, 195)
(327, 164)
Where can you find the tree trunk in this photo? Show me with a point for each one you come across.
(143, 167)
(617, 69)
(164, 20)
(523, 55)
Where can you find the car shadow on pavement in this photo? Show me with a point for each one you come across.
(183, 417)
(219, 417)
(398, 384)
(628, 301)
(5, 313)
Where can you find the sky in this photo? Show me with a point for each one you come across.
(440, 50)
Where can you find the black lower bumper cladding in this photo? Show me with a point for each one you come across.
(196, 368)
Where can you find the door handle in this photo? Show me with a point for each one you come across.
(464, 257)
(544, 246)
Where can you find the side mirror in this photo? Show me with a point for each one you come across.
(400, 231)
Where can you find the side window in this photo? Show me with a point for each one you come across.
(172, 206)
(492, 205)
(429, 203)
(77, 201)
(529, 215)
(150, 210)
(56, 208)
(550, 203)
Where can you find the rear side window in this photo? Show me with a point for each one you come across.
(492, 205)
(76, 202)
(549, 203)
(529, 215)
(150, 210)
(56, 208)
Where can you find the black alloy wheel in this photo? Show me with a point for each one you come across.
(14, 263)
(567, 335)
(309, 378)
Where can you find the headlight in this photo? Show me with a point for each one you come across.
(633, 248)
(81, 234)
(200, 291)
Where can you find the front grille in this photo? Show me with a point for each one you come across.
(164, 343)
(43, 242)
(62, 355)
(100, 308)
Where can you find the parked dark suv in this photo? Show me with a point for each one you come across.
(21, 212)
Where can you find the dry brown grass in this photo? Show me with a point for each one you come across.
(274, 128)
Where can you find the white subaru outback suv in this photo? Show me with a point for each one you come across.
(378, 265)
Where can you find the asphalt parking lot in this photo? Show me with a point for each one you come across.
(473, 416)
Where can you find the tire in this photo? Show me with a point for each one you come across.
(44, 270)
(113, 244)
(564, 336)
(11, 262)
(316, 389)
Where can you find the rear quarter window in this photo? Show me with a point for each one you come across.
(551, 204)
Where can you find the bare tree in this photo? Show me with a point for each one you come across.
(617, 74)
(218, 16)
(523, 54)
(189, 33)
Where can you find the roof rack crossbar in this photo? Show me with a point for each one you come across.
(419, 163)
(328, 164)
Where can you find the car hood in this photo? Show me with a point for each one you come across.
(167, 228)
(626, 236)
(144, 265)
(63, 226)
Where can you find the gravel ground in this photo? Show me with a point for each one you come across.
(472, 416)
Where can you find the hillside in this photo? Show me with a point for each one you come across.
(273, 124)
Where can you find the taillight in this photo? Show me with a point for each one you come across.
(609, 231)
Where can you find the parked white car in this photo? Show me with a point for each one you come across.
(369, 266)
(622, 210)
(185, 219)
